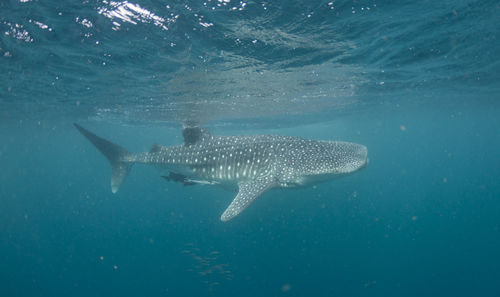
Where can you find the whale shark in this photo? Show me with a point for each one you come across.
(253, 164)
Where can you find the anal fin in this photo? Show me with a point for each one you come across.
(248, 192)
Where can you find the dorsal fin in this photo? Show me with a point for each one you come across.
(155, 148)
(193, 133)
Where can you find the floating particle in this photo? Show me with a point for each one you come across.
(286, 287)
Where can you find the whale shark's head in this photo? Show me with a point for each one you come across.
(346, 157)
(321, 160)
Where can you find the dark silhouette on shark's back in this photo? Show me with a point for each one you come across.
(254, 163)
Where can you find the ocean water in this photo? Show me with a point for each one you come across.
(417, 82)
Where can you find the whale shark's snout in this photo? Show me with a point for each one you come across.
(362, 155)
(359, 157)
(349, 157)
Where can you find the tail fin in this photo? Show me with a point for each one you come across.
(117, 156)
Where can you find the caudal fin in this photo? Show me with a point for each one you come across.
(118, 157)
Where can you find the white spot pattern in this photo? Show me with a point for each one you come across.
(252, 160)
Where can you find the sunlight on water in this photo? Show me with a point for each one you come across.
(219, 60)
(132, 13)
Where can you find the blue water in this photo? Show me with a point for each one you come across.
(417, 82)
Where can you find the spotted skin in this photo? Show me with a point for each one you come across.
(254, 163)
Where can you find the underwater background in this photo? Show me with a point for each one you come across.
(417, 82)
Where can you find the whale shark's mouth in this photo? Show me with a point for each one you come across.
(362, 157)
(367, 160)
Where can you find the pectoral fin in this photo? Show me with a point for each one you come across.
(248, 192)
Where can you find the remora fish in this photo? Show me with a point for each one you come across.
(254, 163)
